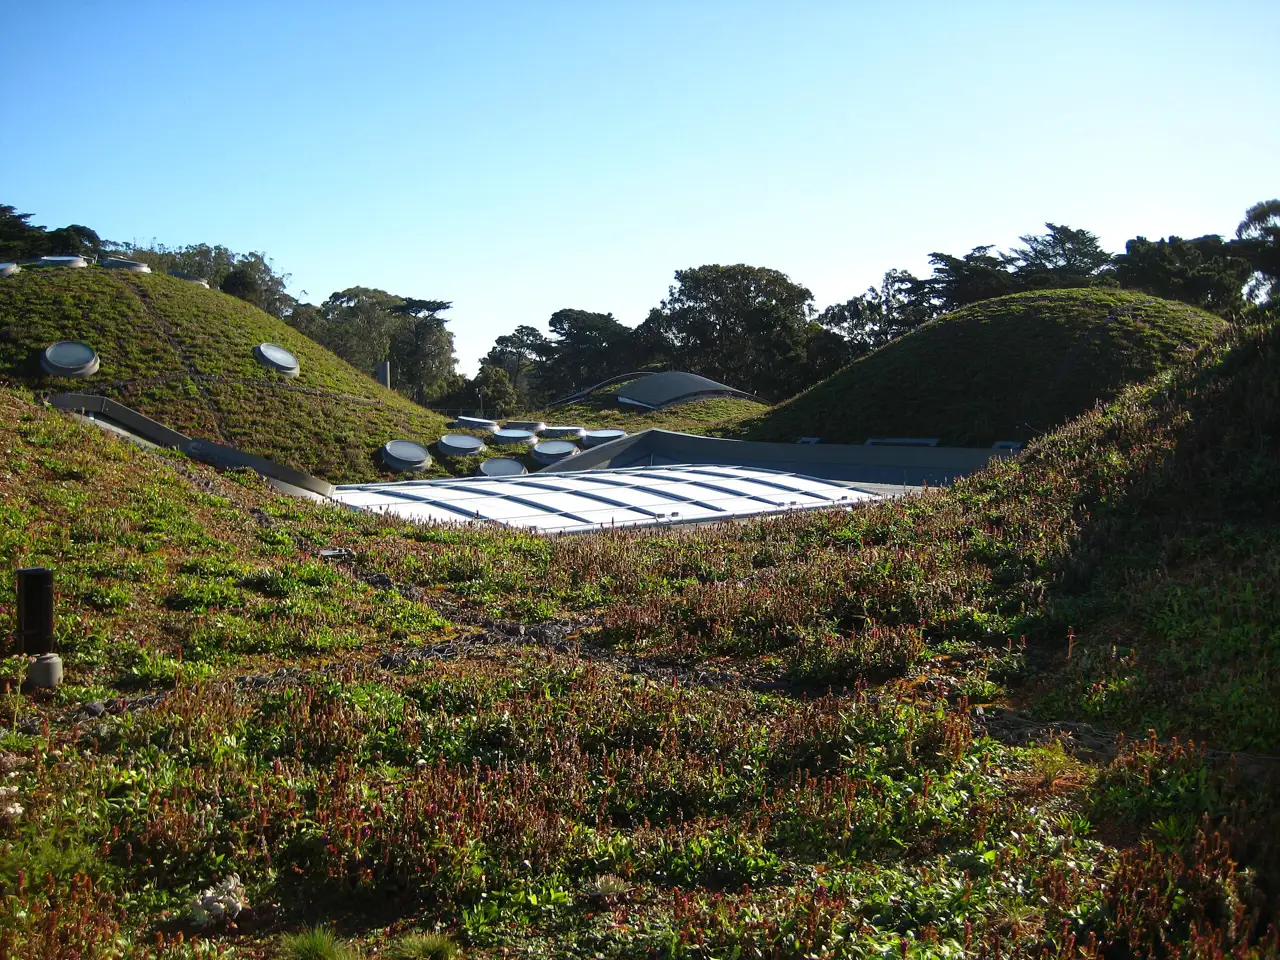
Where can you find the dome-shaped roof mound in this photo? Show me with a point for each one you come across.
(188, 358)
(1004, 369)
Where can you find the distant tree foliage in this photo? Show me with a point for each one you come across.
(366, 326)
(1206, 271)
(519, 353)
(22, 240)
(742, 325)
(1258, 237)
(751, 327)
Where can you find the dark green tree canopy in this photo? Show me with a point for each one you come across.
(22, 240)
(1060, 258)
(1258, 236)
(1206, 271)
(742, 325)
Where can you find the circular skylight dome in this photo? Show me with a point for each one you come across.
(508, 436)
(553, 451)
(63, 262)
(593, 438)
(476, 423)
(69, 358)
(502, 467)
(459, 445)
(277, 358)
(564, 433)
(120, 263)
(9, 269)
(405, 455)
(533, 426)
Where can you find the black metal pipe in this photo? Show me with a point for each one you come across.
(35, 610)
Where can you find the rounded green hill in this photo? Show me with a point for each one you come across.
(184, 356)
(1004, 369)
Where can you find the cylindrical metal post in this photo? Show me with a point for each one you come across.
(35, 610)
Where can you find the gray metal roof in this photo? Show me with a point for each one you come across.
(905, 466)
(602, 499)
(672, 387)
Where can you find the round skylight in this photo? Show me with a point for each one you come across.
(593, 438)
(502, 467)
(476, 423)
(459, 445)
(564, 433)
(9, 269)
(533, 426)
(69, 358)
(405, 455)
(63, 262)
(553, 451)
(120, 263)
(509, 436)
(277, 358)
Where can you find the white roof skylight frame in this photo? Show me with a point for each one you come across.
(603, 499)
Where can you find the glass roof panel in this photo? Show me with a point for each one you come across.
(581, 502)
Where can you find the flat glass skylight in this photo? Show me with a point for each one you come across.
(602, 499)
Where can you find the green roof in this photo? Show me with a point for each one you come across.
(1005, 369)
(184, 356)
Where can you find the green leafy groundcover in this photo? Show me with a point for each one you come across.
(183, 355)
(1004, 369)
(755, 740)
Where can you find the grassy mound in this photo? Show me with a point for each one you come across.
(748, 740)
(601, 411)
(183, 355)
(1005, 369)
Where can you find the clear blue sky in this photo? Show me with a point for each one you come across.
(517, 158)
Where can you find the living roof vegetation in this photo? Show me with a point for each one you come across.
(1005, 369)
(601, 410)
(754, 740)
(184, 356)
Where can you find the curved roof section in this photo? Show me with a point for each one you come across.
(671, 387)
(582, 502)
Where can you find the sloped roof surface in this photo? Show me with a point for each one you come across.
(665, 389)
(582, 502)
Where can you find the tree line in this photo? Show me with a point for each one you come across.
(756, 329)
(751, 327)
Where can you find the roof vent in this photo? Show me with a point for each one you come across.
(405, 455)
(502, 467)
(553, 451)
(190, 278)
(475, 423)
(564, 433)
(510, 436)
(593, 438)
(277, 358)
(120, 263)
(459, 445)
(533, 426)
(69, 358)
